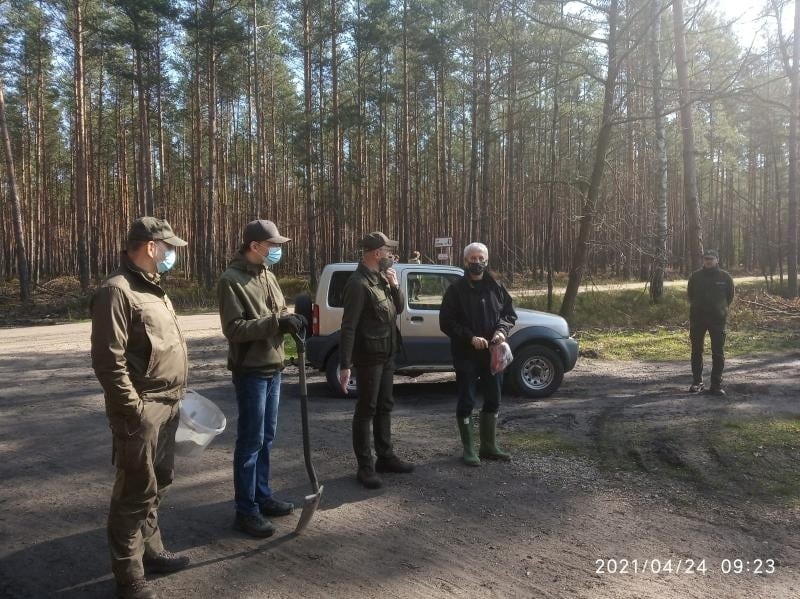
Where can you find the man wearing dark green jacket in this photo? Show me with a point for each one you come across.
(140, 358)
(710, 293)
(369, 342)
(254, 319)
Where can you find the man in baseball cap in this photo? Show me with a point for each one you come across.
(143, 383)
(254, 318)
(369, 343)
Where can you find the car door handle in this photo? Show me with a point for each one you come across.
(417, 319)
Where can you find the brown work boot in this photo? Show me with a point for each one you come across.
(136, 589)
(393, 464)
(164, 562)
(367, 477)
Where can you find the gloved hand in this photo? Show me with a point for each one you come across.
(302, 322)
(291, 324)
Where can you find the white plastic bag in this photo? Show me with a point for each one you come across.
(501, 357)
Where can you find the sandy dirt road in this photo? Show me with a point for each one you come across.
(533, 528)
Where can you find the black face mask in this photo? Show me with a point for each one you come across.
(476, 268)
(384, 264)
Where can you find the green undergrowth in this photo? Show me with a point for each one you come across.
(189, 297)
(61, 299)
(626, 325)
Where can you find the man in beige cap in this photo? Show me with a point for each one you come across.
(140, 358)
(369, 342)
(254, 319)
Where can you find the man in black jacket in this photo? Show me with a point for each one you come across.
(477, 312)
(710, 293)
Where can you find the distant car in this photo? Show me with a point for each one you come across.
(542, 346)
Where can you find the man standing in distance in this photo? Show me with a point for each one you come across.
(254, 319)
(140, 358)
(369, 342)
(710, 292)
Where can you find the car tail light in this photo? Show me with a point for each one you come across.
(315, 320)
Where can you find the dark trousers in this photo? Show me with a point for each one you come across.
(145, 458)
(697, 335)
(473, 373)
(374, 406)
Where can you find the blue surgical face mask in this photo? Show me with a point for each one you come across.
(273, 256)
(168, 261)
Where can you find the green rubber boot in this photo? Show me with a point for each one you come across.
(465, 428)
(489, 449)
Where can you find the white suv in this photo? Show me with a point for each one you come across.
(541, 343)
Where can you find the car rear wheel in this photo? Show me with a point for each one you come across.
(537, 371)
(332, 376)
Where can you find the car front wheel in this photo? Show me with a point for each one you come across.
(537, 371)
(332, 376)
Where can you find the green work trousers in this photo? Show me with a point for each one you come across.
(144, 453)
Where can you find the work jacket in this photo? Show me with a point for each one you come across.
(710, 293)
(250, 304)
(138, 350)
(369, 333)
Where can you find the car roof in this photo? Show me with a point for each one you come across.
(397, 266)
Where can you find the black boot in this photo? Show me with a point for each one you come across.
(274, 508)
(255, 526)
(393, 464)
(368, 478)
(164, 562)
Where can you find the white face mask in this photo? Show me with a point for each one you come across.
(168, 259)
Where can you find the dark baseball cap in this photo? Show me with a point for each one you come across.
(376, 240)
(263, 230)
(150, 228)
(711, 254)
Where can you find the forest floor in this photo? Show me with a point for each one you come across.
(622, 464)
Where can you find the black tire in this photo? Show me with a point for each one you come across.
(304, 306)
(332, 377)
(537, 371)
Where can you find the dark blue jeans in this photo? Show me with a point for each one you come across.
(258, 398)
(473, 373)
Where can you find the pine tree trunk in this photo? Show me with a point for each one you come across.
(22, 254)
(579, 257)
(81, 184)
(694, 226)
(660, 253)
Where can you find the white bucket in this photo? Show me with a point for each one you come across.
(200, 421)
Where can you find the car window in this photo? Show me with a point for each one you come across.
(426, 289)
(336, 288)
